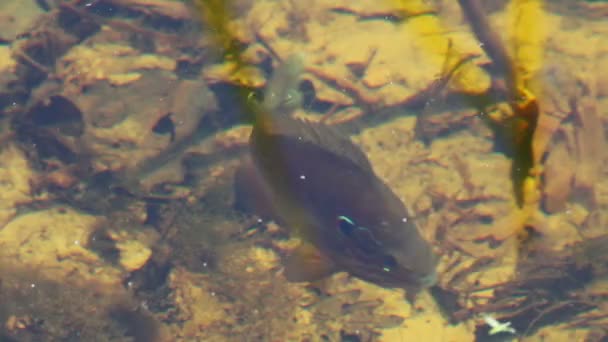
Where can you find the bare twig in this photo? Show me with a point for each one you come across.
(490, 42)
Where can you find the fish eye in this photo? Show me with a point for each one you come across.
(360, 237)
(389, 263)
(346, 225)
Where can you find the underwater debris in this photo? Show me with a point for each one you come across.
(549, 288)
(496, 326)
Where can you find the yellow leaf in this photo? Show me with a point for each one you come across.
(527, 36)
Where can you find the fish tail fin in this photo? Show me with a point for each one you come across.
(282, 95)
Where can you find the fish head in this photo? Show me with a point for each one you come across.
(355, 219)
(379, 242)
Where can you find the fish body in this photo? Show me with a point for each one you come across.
(314, 180)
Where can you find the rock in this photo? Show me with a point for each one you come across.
(16, 17)
(134, 247)
(53, 242)
(15, 181)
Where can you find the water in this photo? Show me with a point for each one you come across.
(122, 124)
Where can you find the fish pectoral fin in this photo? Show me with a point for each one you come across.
(307, 263)
(411, 294)
(250, 191)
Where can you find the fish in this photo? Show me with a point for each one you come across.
(313, 179)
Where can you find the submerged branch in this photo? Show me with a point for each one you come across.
(490, 42)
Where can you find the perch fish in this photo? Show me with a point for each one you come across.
(315, 181)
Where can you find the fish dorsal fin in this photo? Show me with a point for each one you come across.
(307, 263)
(274, 117)
(321, 135)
